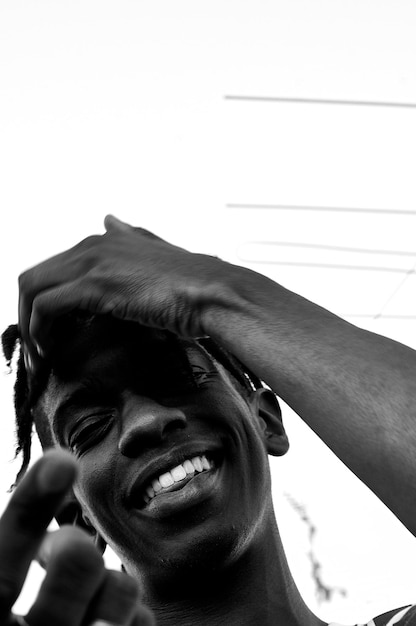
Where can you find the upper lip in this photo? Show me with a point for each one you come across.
(164, 463)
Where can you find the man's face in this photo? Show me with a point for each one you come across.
(172, 471)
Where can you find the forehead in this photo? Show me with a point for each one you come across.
(110, 350)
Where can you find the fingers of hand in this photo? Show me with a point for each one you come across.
(26, 519)
(74, 575)
(116, 601)
(53, 303)
(86, 277)
(78, 590)
(60, 269)
(144, 617)
(43, 276)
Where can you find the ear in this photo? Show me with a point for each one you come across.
(70, 512)
(266, 407)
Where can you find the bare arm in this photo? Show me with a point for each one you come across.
(355, 389)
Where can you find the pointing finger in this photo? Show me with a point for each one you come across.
(26, 519)
(74, 574)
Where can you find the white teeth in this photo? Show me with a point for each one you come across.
(189, 468)
(197, 463)
(150, 492)
(166, 480)
(178, 473)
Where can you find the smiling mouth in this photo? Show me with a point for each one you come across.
(177, 477)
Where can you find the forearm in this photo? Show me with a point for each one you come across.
(355, 389)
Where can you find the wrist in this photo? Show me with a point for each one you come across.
(224, 300)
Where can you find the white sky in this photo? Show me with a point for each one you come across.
(129, 107)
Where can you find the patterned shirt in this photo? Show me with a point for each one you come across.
(406, 616)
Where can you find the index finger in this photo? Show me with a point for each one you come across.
(26, 518)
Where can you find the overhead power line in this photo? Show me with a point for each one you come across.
(336, 266)
(379, 316)
(393, 294)
(403, 318)
(318, 246)
(335, 209)
(325, 101)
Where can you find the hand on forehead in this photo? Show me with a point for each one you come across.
(104, 347)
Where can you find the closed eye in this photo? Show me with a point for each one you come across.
(89, 431)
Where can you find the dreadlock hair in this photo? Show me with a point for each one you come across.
(25, 397)
(27, 389)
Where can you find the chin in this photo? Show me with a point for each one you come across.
(180, 570)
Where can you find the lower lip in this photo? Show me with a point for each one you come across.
(197, 490)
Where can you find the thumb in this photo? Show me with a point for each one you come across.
(112, 223)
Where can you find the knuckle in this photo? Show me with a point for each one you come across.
(90, 254)
(146, 233)
(89, 242)
(44, 305)
(39, 304)
(75, 551)
(125, 586)
(24, 280)
(85, 252)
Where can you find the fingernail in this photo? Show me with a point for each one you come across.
(25, 359)
(28, 361)
(40, 351)
(44, 551)
(56, 474)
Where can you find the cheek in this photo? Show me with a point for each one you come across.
(94, 483)
(247, 453)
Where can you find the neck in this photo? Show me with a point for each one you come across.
(257, 588)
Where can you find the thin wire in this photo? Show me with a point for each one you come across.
(369, 103)
(368, 268)
(328, 247)
(354, 267)
(372, 316)
(294, 207)
(395, 291)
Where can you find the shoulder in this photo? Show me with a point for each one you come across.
(405, 616)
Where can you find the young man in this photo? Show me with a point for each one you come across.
(127, 346)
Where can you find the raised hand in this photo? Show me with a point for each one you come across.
(77, 589)
(127, 272)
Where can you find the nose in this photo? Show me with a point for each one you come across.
(146, 423)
